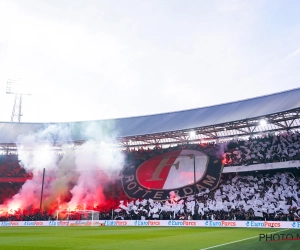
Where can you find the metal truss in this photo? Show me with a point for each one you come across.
(278, 122)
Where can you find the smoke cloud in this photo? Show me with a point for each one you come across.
(75, 175)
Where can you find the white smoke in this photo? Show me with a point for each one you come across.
(79, 173)
(93, 165)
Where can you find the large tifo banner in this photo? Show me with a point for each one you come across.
(153, 223)
(184, 172)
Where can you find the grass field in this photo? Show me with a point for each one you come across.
(141, 238)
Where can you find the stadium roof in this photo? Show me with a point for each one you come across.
(281, 111)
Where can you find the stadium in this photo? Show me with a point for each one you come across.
(230, 170)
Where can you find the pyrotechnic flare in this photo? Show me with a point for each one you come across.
(76, 178)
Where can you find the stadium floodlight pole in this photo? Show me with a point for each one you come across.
(42, 191)
(13, 87)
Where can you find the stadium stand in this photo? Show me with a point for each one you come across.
(252, 196)
(10, 167)
(268, 195)
(260, 178)
(269, 148)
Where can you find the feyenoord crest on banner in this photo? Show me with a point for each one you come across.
(184, 171)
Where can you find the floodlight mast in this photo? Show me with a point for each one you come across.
(17, 108)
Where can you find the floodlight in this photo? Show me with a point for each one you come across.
(263, 122)
(192, 133)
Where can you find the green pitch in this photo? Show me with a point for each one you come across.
(141, 238)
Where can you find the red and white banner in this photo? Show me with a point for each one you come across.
(184, 172)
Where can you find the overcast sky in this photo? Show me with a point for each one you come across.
(92, 60)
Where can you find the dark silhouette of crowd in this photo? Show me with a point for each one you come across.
(31, 216)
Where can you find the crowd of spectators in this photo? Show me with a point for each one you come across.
(268, 148)
(10, 167)
(8, 190)
(263, 149)
(29, 216)
(264, 195)
(260, 195)
(38, 216)
(253, 196)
